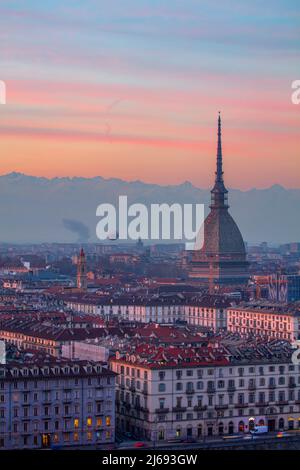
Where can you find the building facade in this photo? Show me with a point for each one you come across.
(56, 404)
(160, 400)
(207, 311)
(265, 320)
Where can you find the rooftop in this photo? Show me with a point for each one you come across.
(292, 309)
(228, 350)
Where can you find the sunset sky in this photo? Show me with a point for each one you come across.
(131, 89)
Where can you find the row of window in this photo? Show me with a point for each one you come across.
(56, 410)
(242, 398)
(283, 318)
(46, 439)
(55, 396)
(220, 384)
(35, 426)
(56, 383)
(258, 323)
(134, 372)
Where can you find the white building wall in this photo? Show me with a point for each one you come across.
(211, 400)
(81, 350)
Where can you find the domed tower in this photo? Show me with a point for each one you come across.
(222, 258)
(81, 271)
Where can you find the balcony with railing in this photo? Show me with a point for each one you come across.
(179, 409)
(162, 410)
(282, 402)
(200, 407)
(221, 407)
(189, 391)
(261, 403)
(241, 405)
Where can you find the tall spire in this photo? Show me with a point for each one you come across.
(219, 192)
(81, 271)
(219, 172)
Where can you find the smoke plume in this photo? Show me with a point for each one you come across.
(81, 230)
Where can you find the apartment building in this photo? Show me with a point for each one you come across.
(56, 403)
(266, 320)
(183, 393)
(207, 310)
(47, 338)
(209, 313)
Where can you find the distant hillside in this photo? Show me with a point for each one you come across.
(36, 209)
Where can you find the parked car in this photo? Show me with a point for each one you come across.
(260, 430)
(140, 444)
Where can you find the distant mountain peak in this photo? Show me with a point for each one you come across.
(277, 187)
(14, 174)
(187, 184)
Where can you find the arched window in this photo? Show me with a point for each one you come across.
(251, 424)
(291, 423)
(231, 428)
(281, 423)
(261, 422)
(241, 426)
(199, 431)
(221, 429)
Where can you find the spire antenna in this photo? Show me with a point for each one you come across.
(219, 172)
(219, 192)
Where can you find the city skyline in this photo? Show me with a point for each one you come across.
(134, 94)
(149, 239)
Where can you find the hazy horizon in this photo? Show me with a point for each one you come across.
(152, 183)
(63, 209)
